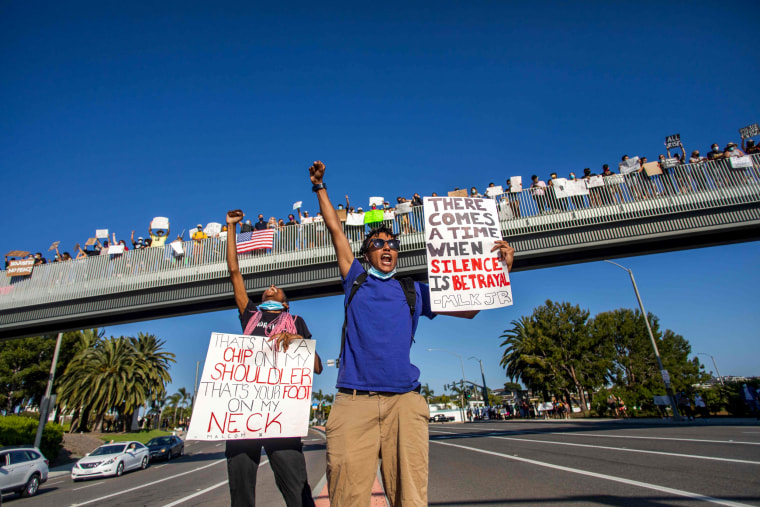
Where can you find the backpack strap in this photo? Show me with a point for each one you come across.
(410, 292)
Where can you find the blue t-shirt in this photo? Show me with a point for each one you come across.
(379, 335)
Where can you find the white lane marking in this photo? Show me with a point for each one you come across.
(204, 491)
(88, 486)
(150, 483)
(656, 438)
(318, 488)
(199, 493)
(730, 460)
(217, 445)
(687, 494)
(51, 483)
(631, 450)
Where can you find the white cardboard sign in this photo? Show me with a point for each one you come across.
(297, 205)
(159, 223)
(356, 219)
(629, 166)
(177, 248)
(377, 201)
(463, 272)
(101, 233)
(117, 249)
(741, 162)
(403, 207)
(250, 390)
(213, 229)
(494, 190)
(595, 181)
(516, 184)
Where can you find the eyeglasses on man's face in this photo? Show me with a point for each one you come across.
(393, 244)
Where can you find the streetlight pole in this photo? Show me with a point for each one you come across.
(665, 376)
(483, 376)
(461, 394)
(714, 364)
(195, 386)
(45, 405)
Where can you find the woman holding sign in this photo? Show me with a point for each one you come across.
(378, 410)
(272, 319)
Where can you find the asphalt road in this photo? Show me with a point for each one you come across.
(486, 464)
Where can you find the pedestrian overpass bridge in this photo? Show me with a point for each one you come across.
(712, 204)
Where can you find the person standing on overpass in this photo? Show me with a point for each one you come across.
(270, 319)
(378, 410)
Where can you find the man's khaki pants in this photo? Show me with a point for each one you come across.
(364, 427)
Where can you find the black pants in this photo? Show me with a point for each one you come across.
(288, 464)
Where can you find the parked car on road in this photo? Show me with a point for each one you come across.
(166, 447)
(112, 459)
(22, 470)
(441, 418)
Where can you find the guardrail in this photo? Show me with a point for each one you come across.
(681, 189)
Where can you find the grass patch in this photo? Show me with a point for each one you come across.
(142, 436)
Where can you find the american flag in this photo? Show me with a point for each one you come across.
(247, 241)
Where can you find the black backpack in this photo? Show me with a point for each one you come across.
(407, 284)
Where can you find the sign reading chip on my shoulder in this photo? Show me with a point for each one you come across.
(463, 272)
(250, 389)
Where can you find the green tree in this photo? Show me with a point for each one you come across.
(73, 393)
(426, 391)
(634, 372)
(553, 352)
(119, 374)
(25, 367)
(174, 401)
(512, 386)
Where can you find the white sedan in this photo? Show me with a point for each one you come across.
(112, 459)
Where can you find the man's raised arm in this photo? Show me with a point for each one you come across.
(238, 286)
(332, 222)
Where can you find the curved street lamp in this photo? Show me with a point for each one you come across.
(461, 394)
(665, 376)
(714, 364)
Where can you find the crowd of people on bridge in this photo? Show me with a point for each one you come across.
(679, 175)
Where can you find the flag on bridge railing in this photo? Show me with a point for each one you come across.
(255, 240)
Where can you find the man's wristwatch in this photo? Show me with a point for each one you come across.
(318, 186)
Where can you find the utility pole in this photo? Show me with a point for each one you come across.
(46, 404)
(483, 376)
(663, 372)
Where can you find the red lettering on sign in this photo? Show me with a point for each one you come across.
(248, 422)
(273, 421)
(226, 425)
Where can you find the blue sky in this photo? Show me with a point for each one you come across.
(114, 114)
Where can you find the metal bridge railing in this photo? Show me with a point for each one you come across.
(682, 189)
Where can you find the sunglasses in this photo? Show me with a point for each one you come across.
(393, 244)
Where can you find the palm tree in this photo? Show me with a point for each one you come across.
(174, 401)
(185, 396)
(426, 391)
(73, 393)
(520, 358)
(153, 363)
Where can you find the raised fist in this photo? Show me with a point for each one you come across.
(317, 172)
(234, 216)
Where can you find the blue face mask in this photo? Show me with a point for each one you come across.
(731, 148)
(379, 274)
(271, 305)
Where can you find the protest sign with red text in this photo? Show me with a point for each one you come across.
(463, 272)
(250, 390)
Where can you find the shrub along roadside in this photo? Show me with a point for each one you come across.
(16, 430)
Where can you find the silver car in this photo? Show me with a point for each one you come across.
(112, 459)
(22, 470)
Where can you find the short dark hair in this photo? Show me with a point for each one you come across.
(606, 166)
(375, 232)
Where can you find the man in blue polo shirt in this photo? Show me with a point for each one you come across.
(378, 410)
